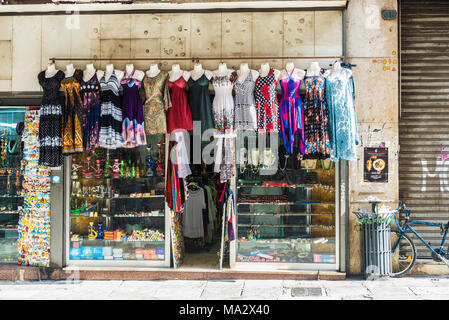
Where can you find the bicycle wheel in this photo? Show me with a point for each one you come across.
(404, 256)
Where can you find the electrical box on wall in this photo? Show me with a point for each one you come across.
(388, 14)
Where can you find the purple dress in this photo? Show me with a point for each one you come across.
(133, 131)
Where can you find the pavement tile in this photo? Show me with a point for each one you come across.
(262, 284)
(347, 290)
(390, 292)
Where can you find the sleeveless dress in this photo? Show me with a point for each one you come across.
(292, 120)
(72, 114)
(223, 110)
(157, 102)
(245, 105)
(200, 102)
(316, 134)
(133, 127)
(342, 119)
(179, 116)
(50, 121)
(266, 103)
(91, 103)
(110, 135)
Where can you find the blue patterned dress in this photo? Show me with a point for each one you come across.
(342, 118)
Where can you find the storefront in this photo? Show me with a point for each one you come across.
(290, 212)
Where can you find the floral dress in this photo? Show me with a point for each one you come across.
(316, 121)
(157, 102)
(266, 103)
(72, 114)
(91, 115)
(245, 105)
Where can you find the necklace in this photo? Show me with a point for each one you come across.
(324, 167)
(11, 151)
(286, 156)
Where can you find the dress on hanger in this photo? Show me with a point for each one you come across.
(342, 120)
(245, 105)
(133, 127)
(291, 114)
(266, 103)
(179, 116)
(72, 114)
(316, 119)
(223, 110)
(157, 102)
(91, 115)
(200, 103)
(110, 136)
(50, 128)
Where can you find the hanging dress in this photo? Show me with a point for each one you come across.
(156, 104)
(72, 114)
(200, 102)
(342, 119)
(316, 133)
(179, 116)
(91, 115)
(245, 105)
(133, 127)
(110, 135)
(266, 103)
(292, 120)
(223, 111)
(50, 121)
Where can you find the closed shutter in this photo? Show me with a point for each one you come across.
(424, 116)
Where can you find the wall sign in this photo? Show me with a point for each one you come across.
(375, 165)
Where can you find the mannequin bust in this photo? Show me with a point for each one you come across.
(153, 71)
(110, 70)
(265, 69)
(90, 71)
(297, 74)
(69, 71)
(130, 71)
(177, 73)
(51, 71)
(314, 70)
(198, 72)
(244, 71)
(336, 69)
(222, 70)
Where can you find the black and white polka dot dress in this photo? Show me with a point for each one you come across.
(266, 103)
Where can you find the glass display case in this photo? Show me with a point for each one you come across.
(11, 199)
(286, 213)
(117, 207)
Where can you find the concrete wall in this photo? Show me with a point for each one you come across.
(27, 42)
(372, 45)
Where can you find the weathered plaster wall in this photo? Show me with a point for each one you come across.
(372, 45)
(27, 42)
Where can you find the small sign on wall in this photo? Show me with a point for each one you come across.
(376, 164)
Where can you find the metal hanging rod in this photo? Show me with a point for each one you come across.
(193, 59)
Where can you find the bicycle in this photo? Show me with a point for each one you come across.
(403, 249)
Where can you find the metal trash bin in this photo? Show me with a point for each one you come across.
(376, 248)
(376, 232)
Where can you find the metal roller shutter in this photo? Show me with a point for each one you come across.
(424, 116)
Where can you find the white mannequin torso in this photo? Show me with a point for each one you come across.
(153, 71)
(69, 71)
(90, 71)
(265, 69)
(51, 71)
(110, 70)
(130, 71)
(315, 70)
(244, 71)
(177, 73)
(222, 70)
(198, 72)
(290, 70)
(337, 69)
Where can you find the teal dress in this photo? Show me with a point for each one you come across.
(200, 102)
(342, 117)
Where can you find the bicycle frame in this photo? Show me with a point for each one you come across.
(407, 226)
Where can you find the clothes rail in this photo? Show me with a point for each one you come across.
(193, 59)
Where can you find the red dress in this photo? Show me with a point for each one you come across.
(179, 116)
